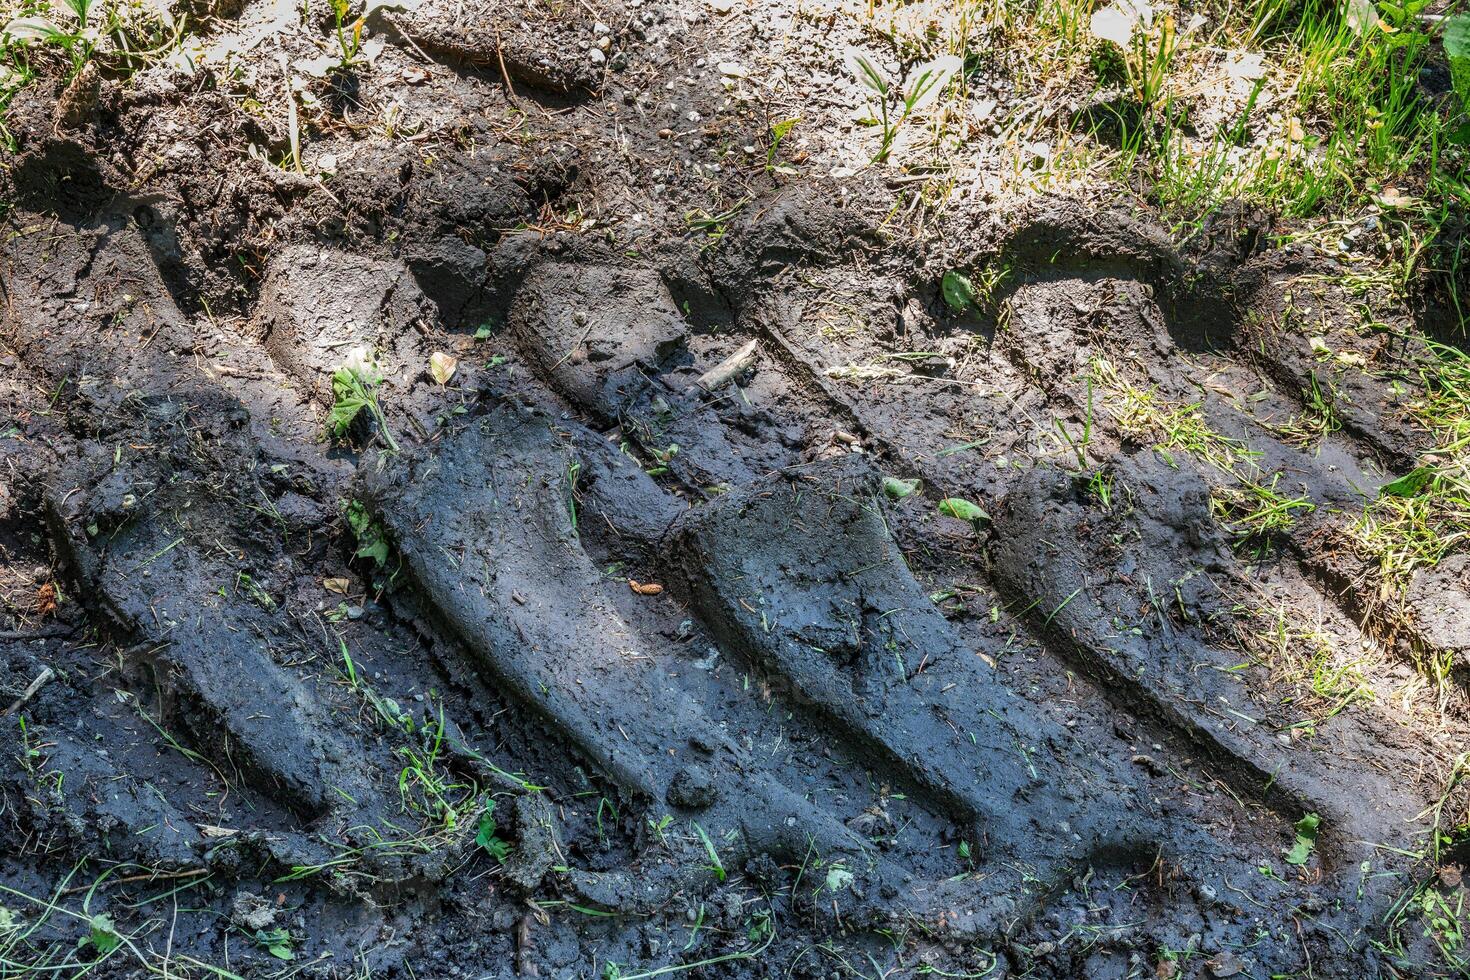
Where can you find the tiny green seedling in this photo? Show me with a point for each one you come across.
(277, 942)
(838, 878)
(354, 389)
(102, 935)
(897, 489)
(663, 457)
(711, 224)
(779, 131)
(487, 836)
(926, 83)
(657, 827)
(958, 291)
(715, 864)
(349, 36)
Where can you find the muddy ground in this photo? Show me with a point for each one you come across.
(618, 668)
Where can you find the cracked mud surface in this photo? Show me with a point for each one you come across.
(725, 698)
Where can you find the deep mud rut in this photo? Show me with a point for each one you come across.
(668, 646)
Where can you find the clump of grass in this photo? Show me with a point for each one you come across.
(1317, 419)
(1420, 518)
(1146, 44)
(1171, 427)
(922, 88)
(1254, 510)
(1252, 506)
(1323, 680)
(125, 35)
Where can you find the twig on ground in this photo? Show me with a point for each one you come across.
(42, 679)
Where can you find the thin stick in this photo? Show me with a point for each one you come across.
(42, 679)
(503, 73)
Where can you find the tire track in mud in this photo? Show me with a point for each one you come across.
(637, 359)
(588, 388)
(1256, 761)
(776, 555)
(155, 528)
(1338, 793)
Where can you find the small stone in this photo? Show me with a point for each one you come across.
(1225, 965)
(252, 912)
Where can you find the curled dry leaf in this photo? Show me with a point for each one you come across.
(441, 366)
(645, 588)
(337, 585)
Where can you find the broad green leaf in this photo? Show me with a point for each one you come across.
(103, 936)
(898, 489)
(80, 8)
(1306, 839)
(277, 942)
(958, 290)
(487, 837)
(838, 878)
(963, 509)
(1408, 486)
(349, 397)
(1457, 50)
(24, 29)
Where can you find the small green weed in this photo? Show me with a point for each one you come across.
(486, 834)
(349, 36)
(372, 539)
(355, 389)
(925, 84)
